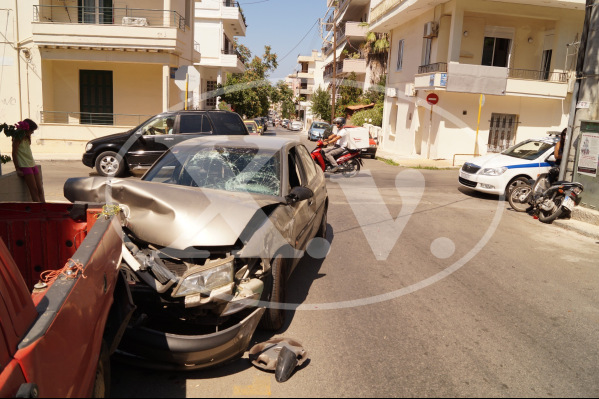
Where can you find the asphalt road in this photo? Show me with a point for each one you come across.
(428, 290)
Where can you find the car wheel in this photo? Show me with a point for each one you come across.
(109, 163)
(101, 387)
(517, 182)
(322, 230)
(274, 292)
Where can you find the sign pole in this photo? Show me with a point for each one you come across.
(480, 105)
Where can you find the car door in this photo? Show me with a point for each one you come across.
(153, 139)
(303, 211)
(315, 181)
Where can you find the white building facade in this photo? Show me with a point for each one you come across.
(310, 77)
(513, 60)
(217, 24)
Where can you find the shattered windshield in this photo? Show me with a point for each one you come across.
(248, 169)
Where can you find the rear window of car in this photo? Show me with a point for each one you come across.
(228, 123)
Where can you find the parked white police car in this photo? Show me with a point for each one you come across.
(499, 173)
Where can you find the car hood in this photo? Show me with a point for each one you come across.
(112, 138)
(175, 216)
(499, 160)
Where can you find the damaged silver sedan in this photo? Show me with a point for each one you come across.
(212, 232)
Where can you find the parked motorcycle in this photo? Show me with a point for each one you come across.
(546, 197)
(349, 162)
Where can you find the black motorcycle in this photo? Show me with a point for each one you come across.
(546, 197)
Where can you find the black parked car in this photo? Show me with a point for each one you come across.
(138, 148)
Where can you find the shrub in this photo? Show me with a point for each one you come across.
(376, 114)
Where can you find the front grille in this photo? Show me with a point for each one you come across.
(468, 183)
(470, 168)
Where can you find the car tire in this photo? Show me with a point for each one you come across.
(274, 292)
(519, 181)
(101, 387)
(109, 163)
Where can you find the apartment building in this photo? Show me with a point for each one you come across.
(88, 68)
(511, 59)
(310, 77)
(217, 24)
(346, 24)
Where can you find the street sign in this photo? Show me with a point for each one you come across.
(432, 99)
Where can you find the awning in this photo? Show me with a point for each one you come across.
(359, 106)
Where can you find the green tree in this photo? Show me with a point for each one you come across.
(321, 104)
(285, 97)
(249, 93)
(349, 94)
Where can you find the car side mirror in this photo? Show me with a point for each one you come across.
(298, 194)
(551, 158)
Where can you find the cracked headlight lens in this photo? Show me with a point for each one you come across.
(493, 171)
(203, 281)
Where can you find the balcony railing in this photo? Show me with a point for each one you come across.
(232, 3)
(526, 74)
(561, 77)
(108, 16)
(92, 118)
(231, 52)
(437, 67)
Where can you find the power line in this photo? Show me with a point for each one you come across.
(302, 39)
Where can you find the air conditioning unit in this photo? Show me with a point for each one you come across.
(411, 90)
(431, 29)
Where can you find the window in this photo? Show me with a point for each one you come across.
(308, 163)
(502, 132)
(400, 55)
(496, 51)
(95, 11)
(95, 97)
(194, 123)
(228, 123)
(211, 86)
(426, 51)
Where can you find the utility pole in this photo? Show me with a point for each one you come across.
(334, 88)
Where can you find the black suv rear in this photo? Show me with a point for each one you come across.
(138, 148)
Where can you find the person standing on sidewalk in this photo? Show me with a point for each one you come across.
(24, 163)
(340, 142)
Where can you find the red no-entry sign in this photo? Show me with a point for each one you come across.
(432, 99)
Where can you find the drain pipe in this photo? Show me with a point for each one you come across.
(18, 49)
(576, 92)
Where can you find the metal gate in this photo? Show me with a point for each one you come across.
(502, 132)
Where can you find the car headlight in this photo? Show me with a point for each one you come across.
(493, 171)
(202, 280)
(89, 146)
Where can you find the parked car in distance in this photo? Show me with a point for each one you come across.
(316, 130)
(499, 173)
(296, 125)
(235, 217)
(260, 124)
(115, 154)
(252, 127)
(285, 123)
(57, 334)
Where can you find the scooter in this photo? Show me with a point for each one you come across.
(546, 198)
(349, 162)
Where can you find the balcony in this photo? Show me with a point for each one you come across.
(231, 60)
(233, 18)
(347, 66)
(355, 32)
(467, 78)
(107, 28)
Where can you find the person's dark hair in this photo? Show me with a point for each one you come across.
(32, 124)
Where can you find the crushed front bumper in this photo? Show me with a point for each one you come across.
(159, 350)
